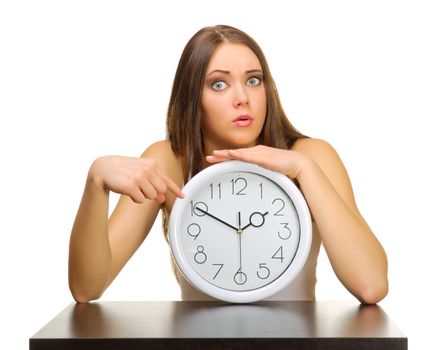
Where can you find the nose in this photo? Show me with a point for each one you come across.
(240, 96)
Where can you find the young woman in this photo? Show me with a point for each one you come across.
(224, 105)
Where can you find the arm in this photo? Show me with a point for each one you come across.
(100, 247)
(356, 256)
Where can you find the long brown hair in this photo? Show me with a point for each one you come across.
(184, 111)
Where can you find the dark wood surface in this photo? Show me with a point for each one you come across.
(217, 325)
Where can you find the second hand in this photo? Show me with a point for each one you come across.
(239, 231)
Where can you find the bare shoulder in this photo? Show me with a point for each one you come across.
(162, 152)
(159, 149)
(328, 160)
(320, 151)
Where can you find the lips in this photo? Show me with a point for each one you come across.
(243, 120)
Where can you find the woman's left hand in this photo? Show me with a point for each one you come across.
(287, 162)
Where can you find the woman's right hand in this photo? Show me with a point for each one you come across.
(138, 178)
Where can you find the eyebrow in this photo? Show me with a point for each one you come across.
(228, 72)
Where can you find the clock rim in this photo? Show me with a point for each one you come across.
(293, 269)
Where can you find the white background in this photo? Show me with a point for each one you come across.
(81, 79)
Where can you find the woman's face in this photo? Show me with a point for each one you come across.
(233, 99)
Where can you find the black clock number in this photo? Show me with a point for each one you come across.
(279, 254)
(263, 271)
(238, 186)
(281, 205)
(194, 230)
(217, 189)
(200, 205)
(260, 188)
(200, 257)
(218, 270)
(239, 277)
(285, 234)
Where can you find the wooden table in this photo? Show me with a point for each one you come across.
(217, 325)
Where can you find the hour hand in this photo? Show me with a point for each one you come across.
(257, 219)
(216, 218)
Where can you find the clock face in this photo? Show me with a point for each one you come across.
(238, 231)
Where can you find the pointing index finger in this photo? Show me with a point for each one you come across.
(173, 187)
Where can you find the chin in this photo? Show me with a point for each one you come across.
(243, 144)
(244, 141)
(235, 140)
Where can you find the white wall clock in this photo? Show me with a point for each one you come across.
(241, 233)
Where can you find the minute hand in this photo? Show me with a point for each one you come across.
(223, 222)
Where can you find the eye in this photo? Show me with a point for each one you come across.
(219, 85)
(254, 81)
